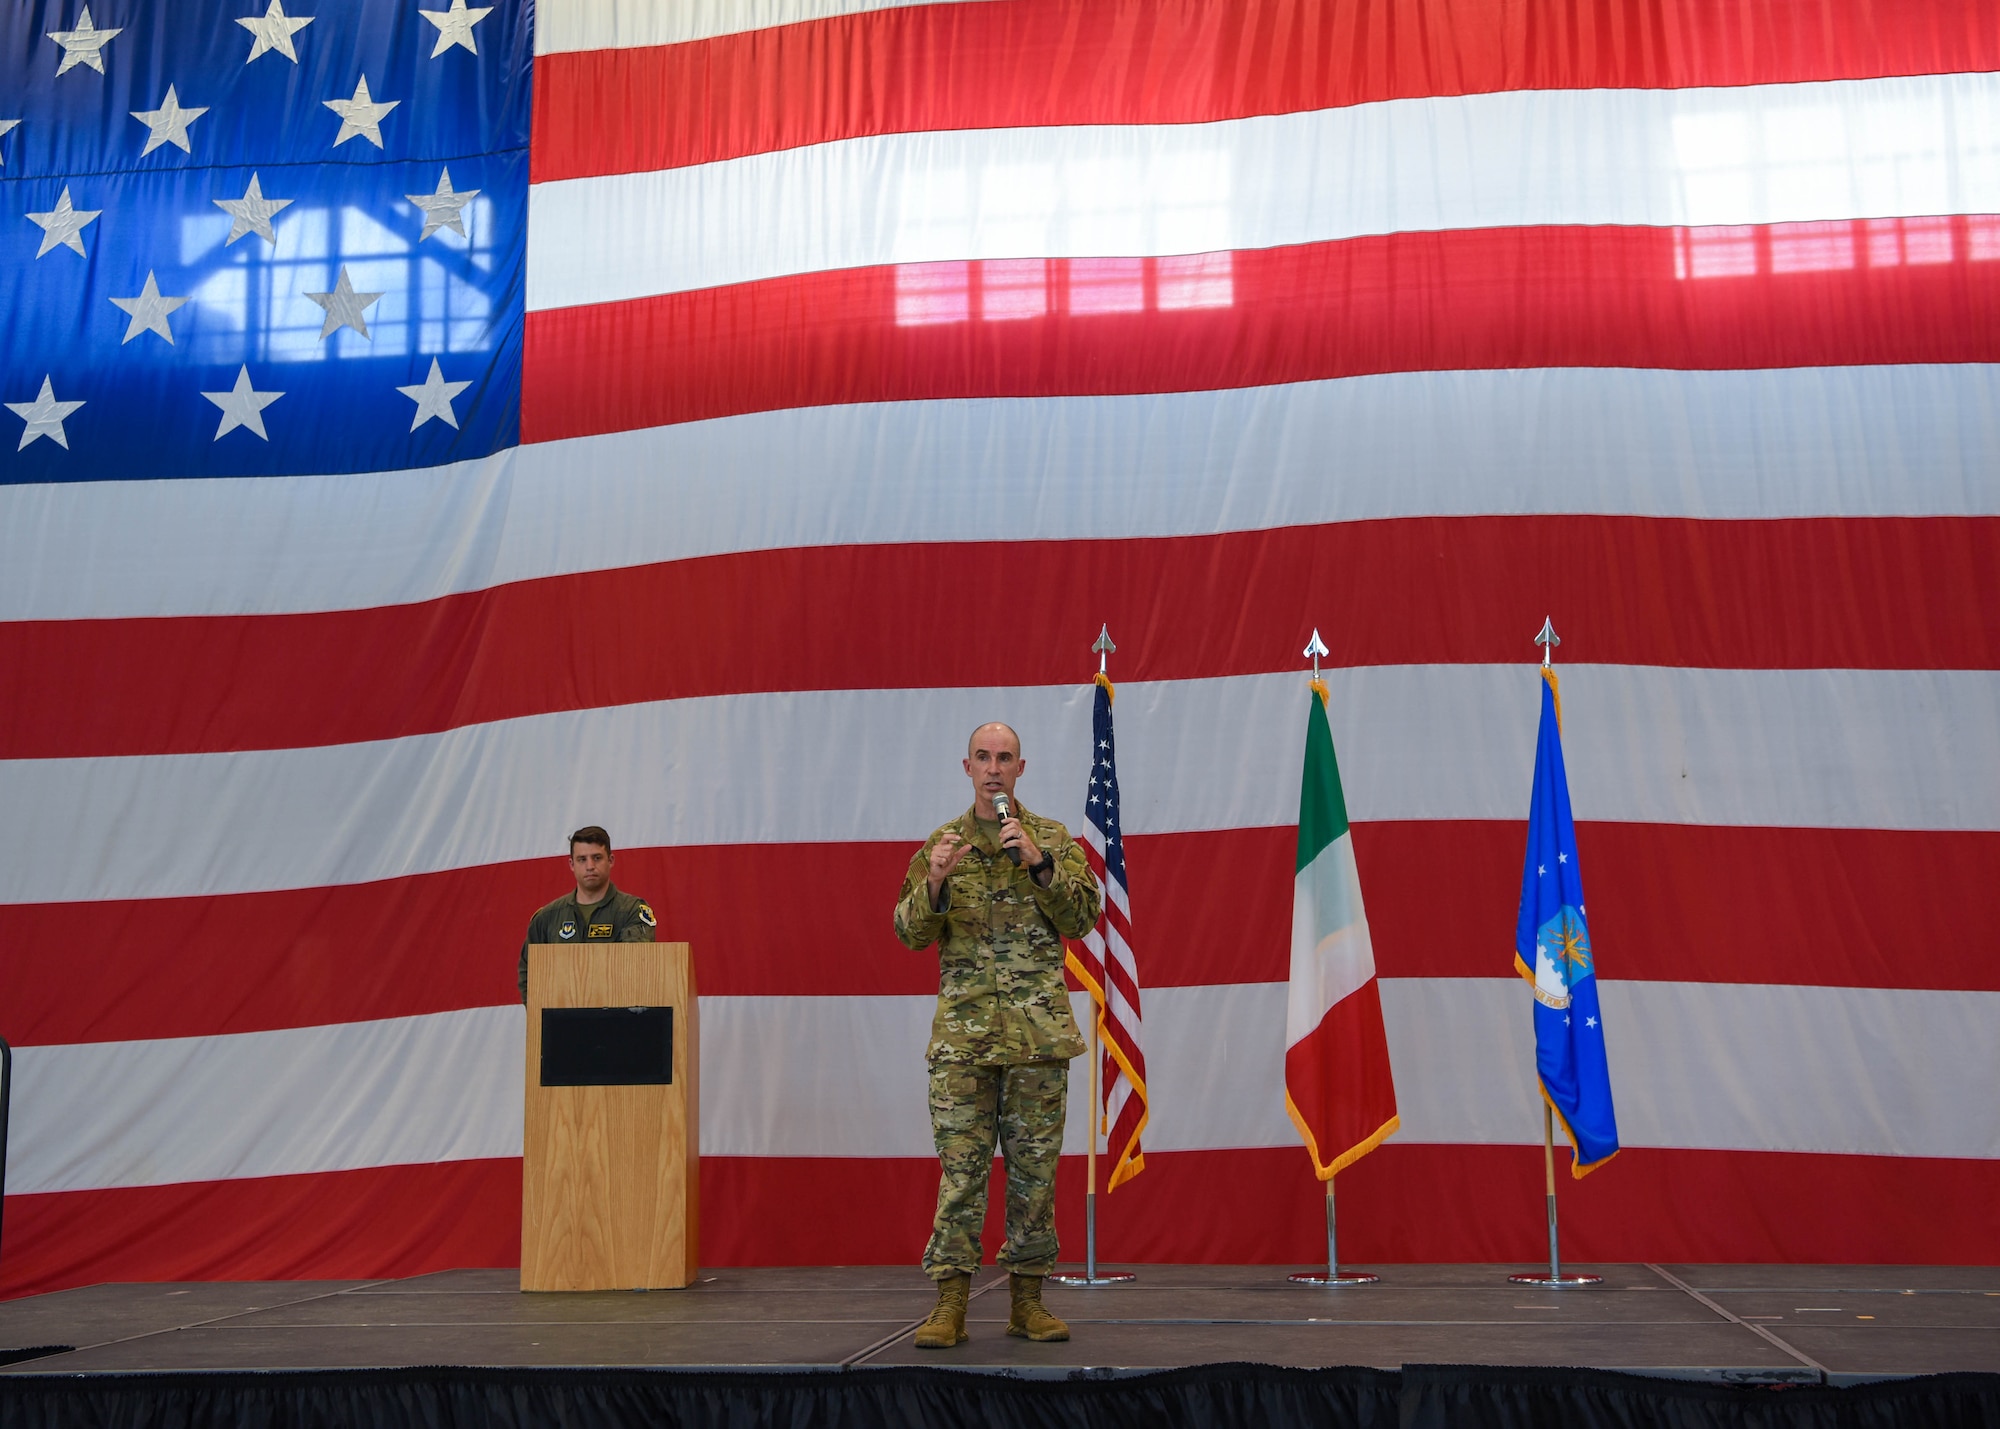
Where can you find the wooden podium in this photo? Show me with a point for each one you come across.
(611, 1144)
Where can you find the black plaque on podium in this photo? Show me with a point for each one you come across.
(607, 1046)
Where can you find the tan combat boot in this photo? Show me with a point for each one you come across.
(946, 1326)
(1031, 1319)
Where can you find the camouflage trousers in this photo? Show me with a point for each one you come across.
(1020, 1107)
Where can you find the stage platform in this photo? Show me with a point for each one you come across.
(1723, 1323)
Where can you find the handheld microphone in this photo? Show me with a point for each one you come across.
(1004, 807)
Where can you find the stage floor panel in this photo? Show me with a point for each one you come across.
(1719, 1321)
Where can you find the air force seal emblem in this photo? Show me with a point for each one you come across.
(567, 930)
(1562, 956)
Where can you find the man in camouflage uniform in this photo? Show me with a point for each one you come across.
(595, 911)
(1003, 1035)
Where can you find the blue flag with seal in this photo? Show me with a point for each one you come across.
(1552, 951)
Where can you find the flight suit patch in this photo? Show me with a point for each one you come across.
(600, 930)
(567, 930)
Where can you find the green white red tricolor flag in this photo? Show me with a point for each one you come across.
(1337, 1083)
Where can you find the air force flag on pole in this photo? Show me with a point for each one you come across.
(1552, 950)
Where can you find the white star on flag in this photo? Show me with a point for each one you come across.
(242, 406)
(344, 307)
(63, 224)
(360, 115)
(1562, 858)
(169, 124)
(455, 25)
(443, 208)
(274, 30)
(433, 398)
(84, 45)
(1590, 1022)
(252, 214)
(44, 416)
(7, 126)
(148, 311)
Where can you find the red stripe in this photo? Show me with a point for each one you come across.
(1829, 907)
(1120, 971)
(1830, 593)
(1484, 1203)
(1404, 302)
(1402, 1204)
(1126, 1127)
(1338, 1075)
(1117, 1034)
(1049, 62)
(338, 1225)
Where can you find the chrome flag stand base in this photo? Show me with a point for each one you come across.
(1333, 1277)
(1103, 1277)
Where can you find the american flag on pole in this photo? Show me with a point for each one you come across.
(1103, 960)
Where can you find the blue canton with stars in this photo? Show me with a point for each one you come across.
(260, 237)
(1552, 949)
(1101, 801)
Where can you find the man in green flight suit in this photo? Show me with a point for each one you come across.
(594, 911)
(997, 889)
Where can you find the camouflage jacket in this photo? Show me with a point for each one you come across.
(1001, 996)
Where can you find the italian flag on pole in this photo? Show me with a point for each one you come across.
(1337, 1083)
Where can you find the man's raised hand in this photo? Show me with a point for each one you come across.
(945, 856)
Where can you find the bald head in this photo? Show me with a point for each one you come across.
(989, 732)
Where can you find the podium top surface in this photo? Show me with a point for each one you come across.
(610, 975)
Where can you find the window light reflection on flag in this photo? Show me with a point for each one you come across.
(433, 298)
(1740, 250)
(1005, 289)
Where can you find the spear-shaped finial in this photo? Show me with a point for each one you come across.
(1316, 647)
(1103, 647)
(1547, 639)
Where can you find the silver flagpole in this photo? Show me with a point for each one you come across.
(1091, 1274)
(1333, 1277)
(1555, 1279)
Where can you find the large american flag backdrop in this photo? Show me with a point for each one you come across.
(812, 379)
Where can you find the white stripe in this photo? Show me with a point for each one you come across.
(626, 24)
(836, 1076)
(1844, 149)
(1837, 441)
(1787, 748)
(1091, 835)
(1113, 953)
(1717, 1066)
(90, 1115)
